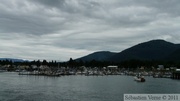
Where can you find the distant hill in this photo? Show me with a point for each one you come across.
(151, 50)
(99, 56)
(13, 60)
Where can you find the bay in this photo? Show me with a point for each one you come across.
(14, 87)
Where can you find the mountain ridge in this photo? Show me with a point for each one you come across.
(151, 50)
(98, 56)
(13, 59)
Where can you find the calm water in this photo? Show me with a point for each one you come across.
(14, 87)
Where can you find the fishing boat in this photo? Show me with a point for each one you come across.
(139, 78)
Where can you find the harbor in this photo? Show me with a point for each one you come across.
(56, 69)
(89, 50)
(14, 87)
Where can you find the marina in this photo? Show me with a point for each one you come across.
(109, 70)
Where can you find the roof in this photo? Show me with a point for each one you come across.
(112, 66)
(177, 70)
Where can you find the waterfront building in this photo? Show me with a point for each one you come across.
(176, 74)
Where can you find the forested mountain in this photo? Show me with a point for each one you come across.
(151, 50)
(98, 56)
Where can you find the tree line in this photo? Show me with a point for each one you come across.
(94, 63)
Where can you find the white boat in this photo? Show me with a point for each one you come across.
(139, 79)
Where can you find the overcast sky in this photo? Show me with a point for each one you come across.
(60, 29)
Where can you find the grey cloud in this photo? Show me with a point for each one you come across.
(54, 3)
(79, 26)
(163, 6)
(25, 20)
(40, 23)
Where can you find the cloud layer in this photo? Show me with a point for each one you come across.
(60, 29)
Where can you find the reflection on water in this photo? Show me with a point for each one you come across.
(14, 87)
